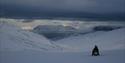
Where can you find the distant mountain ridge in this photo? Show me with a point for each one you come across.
(59, 32)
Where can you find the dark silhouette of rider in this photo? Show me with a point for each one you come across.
(95, 51)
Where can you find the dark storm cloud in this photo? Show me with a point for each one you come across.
(36, 7)
(74, 5)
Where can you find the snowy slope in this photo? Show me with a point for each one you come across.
(13, 38)
(105, 40)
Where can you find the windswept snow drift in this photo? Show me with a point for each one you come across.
(13, 38)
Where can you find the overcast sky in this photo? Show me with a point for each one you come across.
(90, 6)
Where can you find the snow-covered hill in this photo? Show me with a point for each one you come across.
(105, 40)
(12, 38)
(19, 46)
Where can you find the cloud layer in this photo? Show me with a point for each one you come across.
(51, 8)
(71, 5)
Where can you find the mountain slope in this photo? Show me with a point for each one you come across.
(13, 38)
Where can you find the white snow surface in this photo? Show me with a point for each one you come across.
(104, 40)
(116, 56)
(19, 46)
